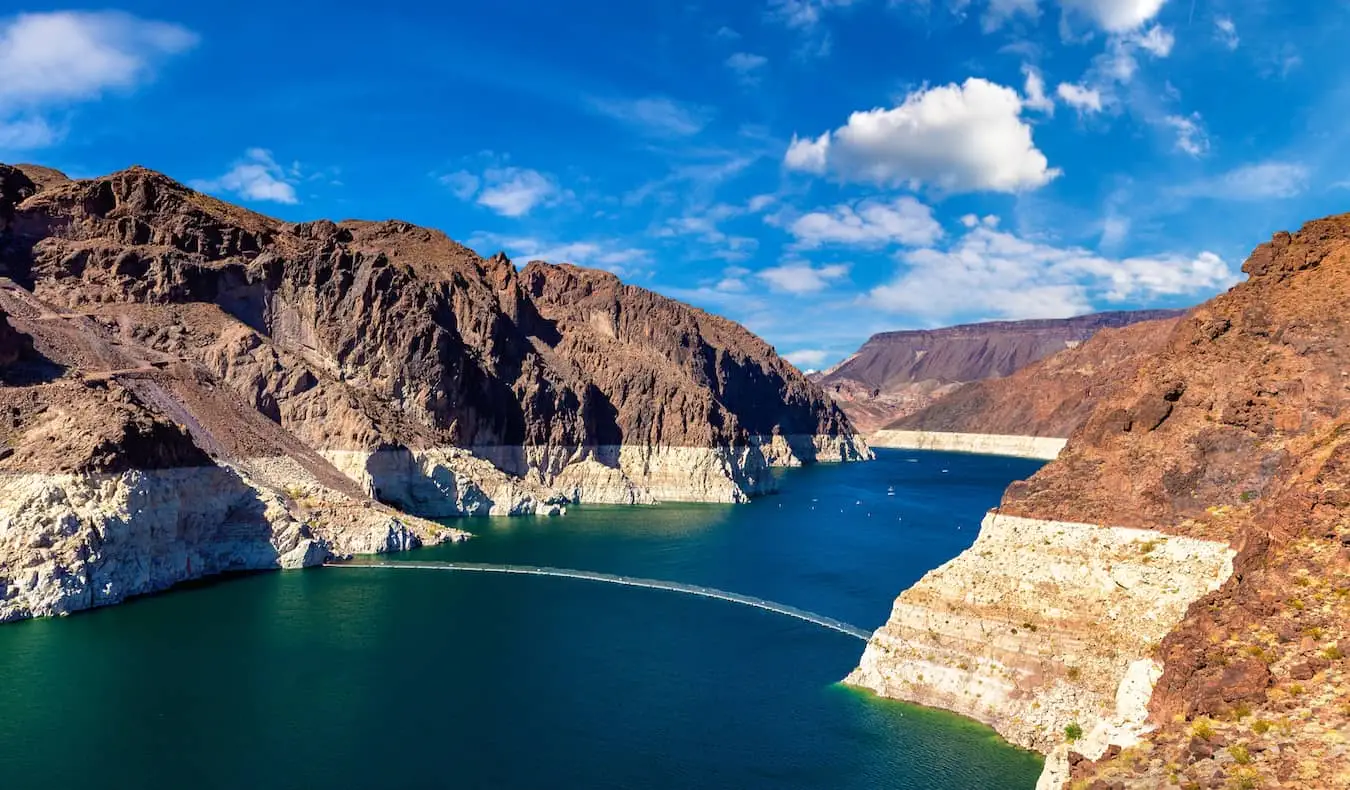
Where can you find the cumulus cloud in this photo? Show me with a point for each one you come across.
(1261, 181)
(808, 155)
(655, 115)
(869, 224)
(508, 191)
(50, 60)
(1082, 98)
(954, 138)
(802, 278)
(256, 176)
(994, 274)
(1114, 16)
(1225, 32)
(747, 67)
(1036, 98)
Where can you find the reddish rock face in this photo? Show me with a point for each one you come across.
(1051, 397)
(1237, 428)
(896, 374)
(358, 335)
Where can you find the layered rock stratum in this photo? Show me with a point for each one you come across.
(1168, 603)
(192, 388)
(896, 374)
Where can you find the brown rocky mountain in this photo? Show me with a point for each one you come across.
(1168, 603)
(278, 387)
(896, 374)
(1050, 397)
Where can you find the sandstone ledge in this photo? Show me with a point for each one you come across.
(1041, 447)
(1041, 624)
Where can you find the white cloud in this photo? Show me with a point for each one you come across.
(807, 358)
(807, 154)
(749, 68)
(609, 254)
(993, 274)
(22, 134)
(1114, 16)
(955, 138)
(1036, 99)
(508, 191)
(72, 55)
(516, 191)
(463, 184)
(1262, 181)
(1191, 136)
(726, 33)
(802, 278)
(655, 115)
(869, 224)
(48, 60)
(803, 14)
(1083, 99)
(1225, 32)
(1000, 12)
(255, 177)
(1157, 40)
(760, 202)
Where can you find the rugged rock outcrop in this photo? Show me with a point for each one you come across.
(294, 380)
(896, 374)
(1233, 433)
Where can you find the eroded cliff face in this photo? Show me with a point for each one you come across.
(1232, 435)
(193, 388)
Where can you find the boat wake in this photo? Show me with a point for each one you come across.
(627, 581)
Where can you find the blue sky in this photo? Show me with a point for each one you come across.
(817, 169)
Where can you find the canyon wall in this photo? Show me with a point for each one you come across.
(1224, 447)
(192, 388)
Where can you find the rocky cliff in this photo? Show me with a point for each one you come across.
(896, 374)
(1226, 445)
(318, 381)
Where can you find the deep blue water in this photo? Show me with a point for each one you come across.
(405, 679)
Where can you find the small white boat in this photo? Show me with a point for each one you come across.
(890, 491)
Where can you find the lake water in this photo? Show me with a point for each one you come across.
(373, 678)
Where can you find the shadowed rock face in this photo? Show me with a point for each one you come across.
(896, 374)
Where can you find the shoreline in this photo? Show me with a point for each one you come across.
(1043, 448)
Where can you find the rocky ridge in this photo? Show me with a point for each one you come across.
(315, 387)
(1050, 397)
(896, 374)
(1231, 434)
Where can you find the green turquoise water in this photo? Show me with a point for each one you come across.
(404, 679)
